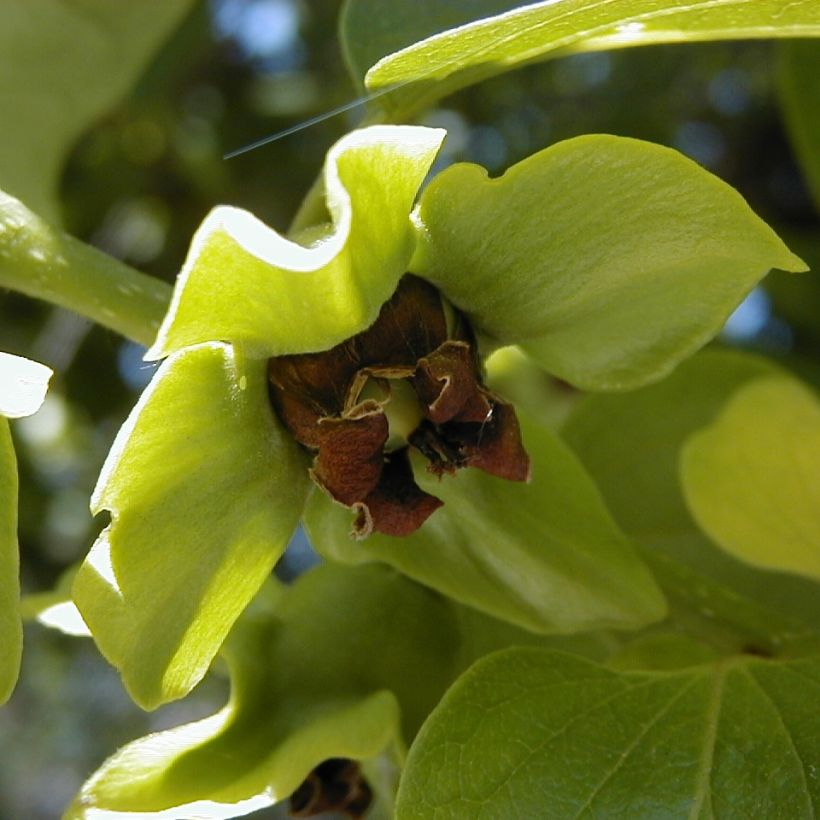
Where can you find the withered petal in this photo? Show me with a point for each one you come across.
(410, 325)
(319, 380)
(494, 446)
(300, 416)
(448, 385)
(350, 458)
(444, 456)
(336, 785)
(397, 506)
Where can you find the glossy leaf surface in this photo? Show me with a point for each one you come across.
(245, 283)
(752, 478)
(799, 85)
(11, 629)
(538, 31)
(545, 555)
(204, 490)
(631, 446)
(607, 259)
(530, 733)
(64, 65)
(344, 663)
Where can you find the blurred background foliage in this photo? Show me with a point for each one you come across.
(142, 179)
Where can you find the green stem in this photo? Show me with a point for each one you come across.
(42, 261)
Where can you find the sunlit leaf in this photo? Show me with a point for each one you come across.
(631, 445)
(65, 64)
(23, 385)
(372, 29)
(204, 490)
(752, 478)
(536, 31)
(607, 259)
(245, 283)
(55, 608)
(545, 555)
(531, 733)
(345, 663)
(11, 629)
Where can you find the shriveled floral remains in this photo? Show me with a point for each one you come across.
(412, 379)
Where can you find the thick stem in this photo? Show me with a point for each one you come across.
(42, 261)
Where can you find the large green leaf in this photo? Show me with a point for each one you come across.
(204, 490)
(64, 65)
(630, 444)
(245, 283)
(344, 663)
(799, 85)
(752, 478)
(532, 733)
(607, 259)
(11, 629)
(537, 31)
(545, 555)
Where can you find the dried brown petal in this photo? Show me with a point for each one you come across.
(336, 785)
(443, 455)
(397, 506)
(448, 385)
(308, 386)
(350, 458)
(410, 325)
(494, 446)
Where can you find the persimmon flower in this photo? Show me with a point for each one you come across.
(347, 354)
(335, 334)
(406, 381)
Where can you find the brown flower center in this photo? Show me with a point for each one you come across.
(336, 785)
(409, 380)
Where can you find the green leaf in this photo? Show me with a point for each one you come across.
(344, 663)
(64, 65)
(536, 31)
(43, 262)
(372, 29)
(204, 489)
(752, 478)
(11, 628)
(531, 733)
(545, 555)
(608, 260)
(662, 649)
(245, 283)
(522, 382)
(23, 385)
(630, 444)
(798, 70)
